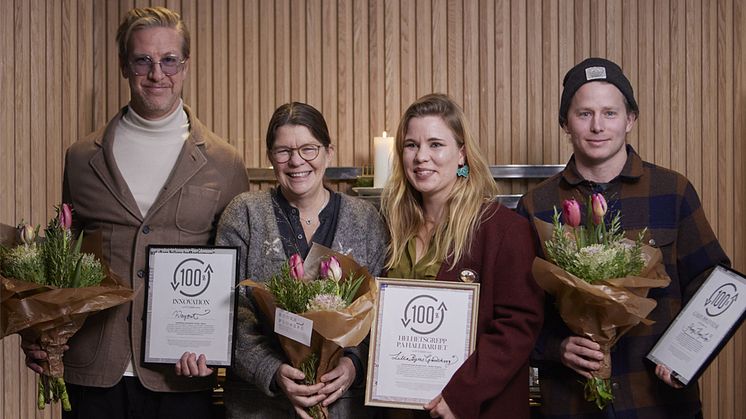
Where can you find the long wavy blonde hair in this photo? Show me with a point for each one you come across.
(402, 204)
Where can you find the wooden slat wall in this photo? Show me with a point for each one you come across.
(362, 62)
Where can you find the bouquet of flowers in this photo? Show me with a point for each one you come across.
(600, 280)
(49, 286)
(331, 290)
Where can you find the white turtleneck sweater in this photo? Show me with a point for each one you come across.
(146, 151)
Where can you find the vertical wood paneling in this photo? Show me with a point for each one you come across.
(203, 35)
(739, 130)
(362, 62)
(646, 82)
(376, 71)
(489, 92)
(347, 143)
(189, 15)
(282, 51)
(220, 63)
(614, 23)
(83, 69)
(519, 83)
(298, 53)
(409, 62)
(550, 77)
(329, 65)
(424, 52)
(566, 60)
(455, 41)
(693, 128)
(472, 54)
(534, 81)
(630, 54)
(235, 71)
(360, 66)
(440, 31)
(313, 52)
(662, 89)
(22, 113)
(253, 150)
(678, 86)
(392, 53)
(101, 63)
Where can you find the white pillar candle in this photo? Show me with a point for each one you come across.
(383, 152)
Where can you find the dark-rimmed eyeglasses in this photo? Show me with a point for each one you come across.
(307, 152)
(170, 65)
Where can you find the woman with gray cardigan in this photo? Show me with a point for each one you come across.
(269, 226)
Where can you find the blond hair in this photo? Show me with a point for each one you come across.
(148, 17)
(402, 204)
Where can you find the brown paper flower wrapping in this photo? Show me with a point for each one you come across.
(332, 330)
(605, 310)
(49, 315)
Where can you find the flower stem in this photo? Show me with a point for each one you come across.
(598, 390)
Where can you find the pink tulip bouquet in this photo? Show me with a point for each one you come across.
(332, 291)
(48, 287)
(599, 278)
(593, 252)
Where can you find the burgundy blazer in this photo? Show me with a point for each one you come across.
(493, 381)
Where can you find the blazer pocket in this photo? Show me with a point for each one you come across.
(196, 208)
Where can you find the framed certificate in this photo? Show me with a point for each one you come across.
(190, 303)
(703, 326)
(422, 332)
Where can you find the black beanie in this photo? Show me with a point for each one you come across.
(594, 69)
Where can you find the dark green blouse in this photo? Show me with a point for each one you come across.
(408, 269)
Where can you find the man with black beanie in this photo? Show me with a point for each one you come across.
(597, 110)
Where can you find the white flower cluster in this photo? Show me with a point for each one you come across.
(326, 302)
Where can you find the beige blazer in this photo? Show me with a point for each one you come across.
(207, 175)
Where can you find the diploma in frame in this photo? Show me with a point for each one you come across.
(703, 326)
(190, 303)
(422, 332)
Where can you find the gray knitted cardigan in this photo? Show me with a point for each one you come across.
(249, 222)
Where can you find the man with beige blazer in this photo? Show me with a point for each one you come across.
(153, 175)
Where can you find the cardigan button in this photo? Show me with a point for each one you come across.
(141, 273)
(146, 229)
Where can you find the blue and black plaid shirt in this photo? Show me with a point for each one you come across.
(664, 202)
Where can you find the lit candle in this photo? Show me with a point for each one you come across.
(383, 148)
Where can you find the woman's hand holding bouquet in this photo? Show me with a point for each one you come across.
(333, 292)
(600, 281)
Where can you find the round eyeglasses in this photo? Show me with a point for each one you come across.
(307, 152)
(170, 65)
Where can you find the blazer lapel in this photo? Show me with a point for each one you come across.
(104, 165)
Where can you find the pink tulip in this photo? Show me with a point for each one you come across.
(65, 216)
(598, 202)
(330, 269)
(296, 266)
(571, 212)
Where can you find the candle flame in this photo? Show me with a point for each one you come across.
(384, 134)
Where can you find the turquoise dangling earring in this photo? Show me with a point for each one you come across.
(463, 171)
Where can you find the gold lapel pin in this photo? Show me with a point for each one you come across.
(468, 276)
